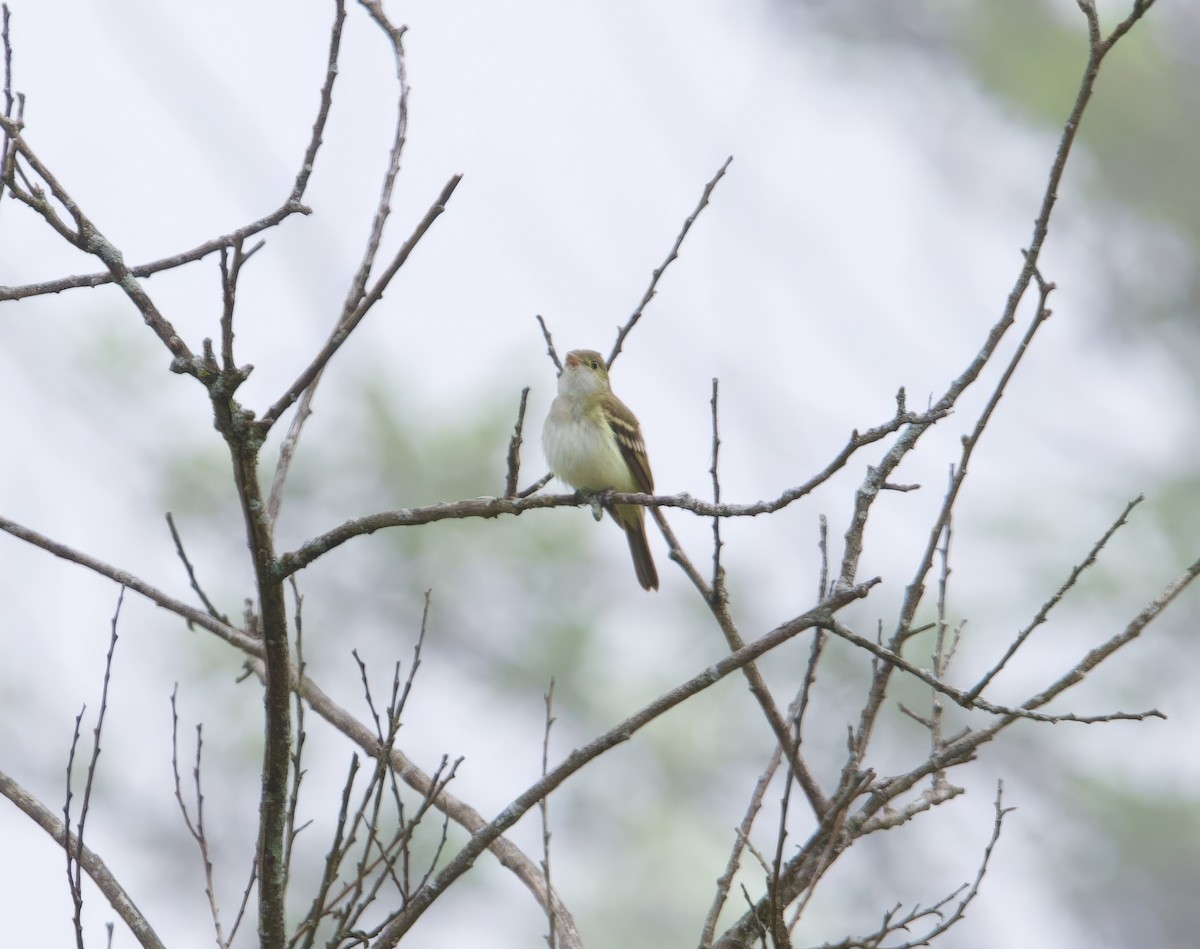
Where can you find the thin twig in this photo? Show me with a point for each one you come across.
(6, 41)
(1046, 607)
(306, 931)
(774, 903)
(893, 925)
(383, 207)
(1097, 50)
(661, 269)
(72, 858)
(514, 448)
(1131, 632)
(308, 162)
(74, 865)
(803, 870)
(939, 658)
(196, 828)
(291, 831)
(718, 574)
(230, 272)
(187, 565)
(544, 808)
(537, 485)
(819, 637)
(378, 860)
(820, 852)
(550, 351)
(87, 237)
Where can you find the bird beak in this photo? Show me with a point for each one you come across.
(572, 360)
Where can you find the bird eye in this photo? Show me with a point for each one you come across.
(595, 364)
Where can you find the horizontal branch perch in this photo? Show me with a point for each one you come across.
(494, 507)
(488, 507)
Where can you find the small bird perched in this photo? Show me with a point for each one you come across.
(593, 443)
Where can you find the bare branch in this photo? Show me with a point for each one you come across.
(928, 799)
(230, 634)
(758, 687)
(87, 237)
(796, 715)
(1028, 273)
(868, 492)
(292, 206)
(286, 452)
(92, 864)
(465, 816)
(1126, 636)
(741, 842)
(463, 860)
(941, 657)
(509, 855)
(916, 587)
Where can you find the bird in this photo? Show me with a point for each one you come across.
(593, 442)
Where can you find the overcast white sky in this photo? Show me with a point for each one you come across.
(863, 239)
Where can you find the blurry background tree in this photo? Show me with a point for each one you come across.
(888, 161)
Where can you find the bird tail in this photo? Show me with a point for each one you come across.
(634, 523)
